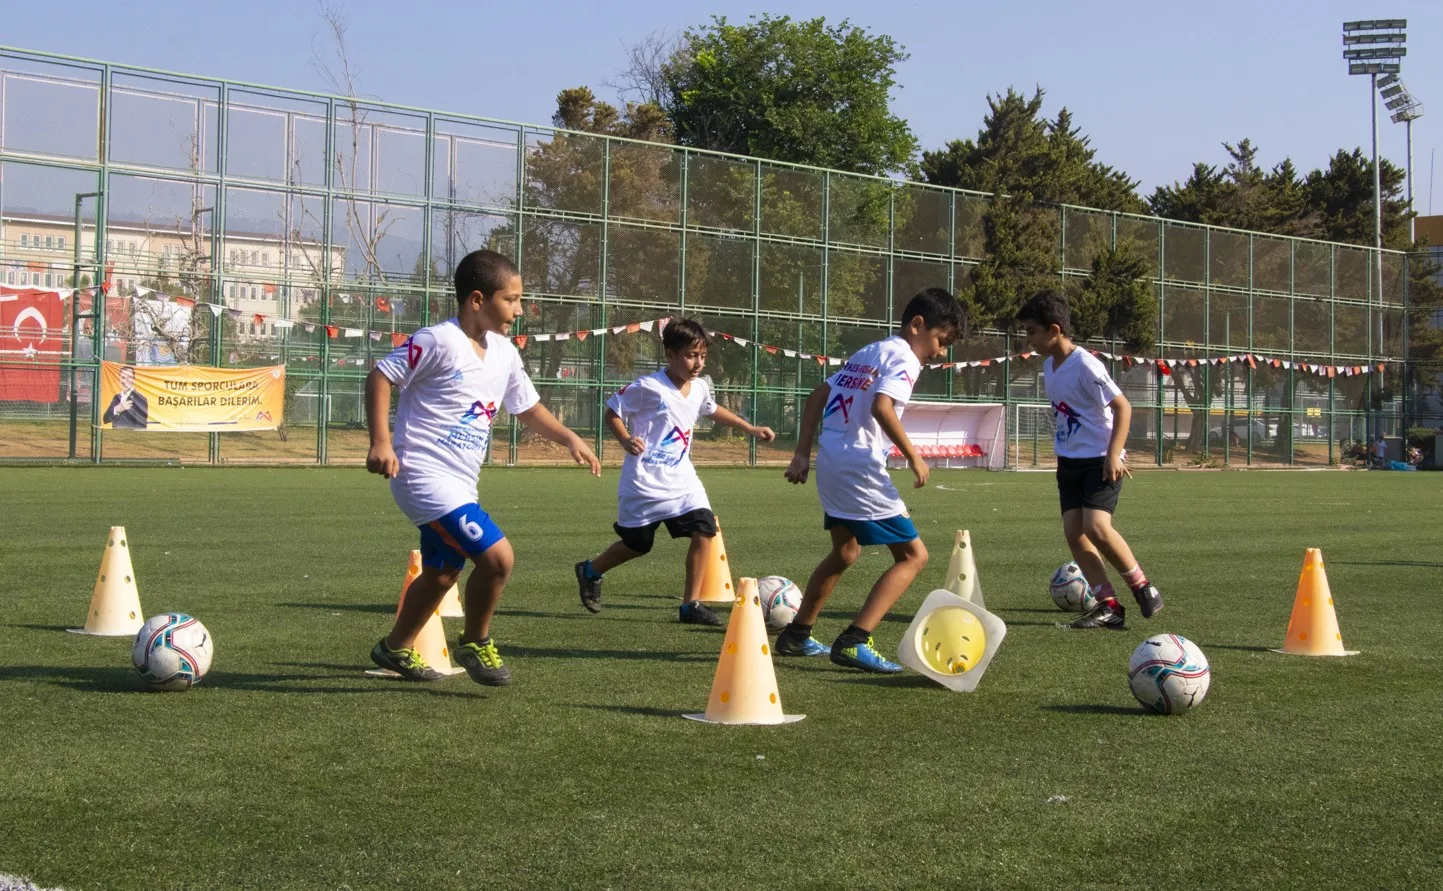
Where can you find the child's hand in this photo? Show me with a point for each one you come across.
(765, 434)
(382, 459)
(634, 445)
(920, 470)
(581, 453)
(1113, 469)
(797, 470)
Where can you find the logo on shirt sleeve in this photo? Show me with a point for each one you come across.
(841, 404)
(413, 352)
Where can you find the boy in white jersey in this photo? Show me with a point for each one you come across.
(652, 418)
(453, 378)
(860, 410)
(1092, 418)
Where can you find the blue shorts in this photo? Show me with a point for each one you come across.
(893, 530)
(464, 532)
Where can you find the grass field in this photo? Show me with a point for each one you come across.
(289, 768)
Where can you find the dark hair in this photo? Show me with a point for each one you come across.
(1046, 308)
(940, 311)
(683, 333)
(484, 271)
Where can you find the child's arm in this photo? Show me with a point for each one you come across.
(1113, 468)
(382, 457)
(729, 419)
(538, 419)
(811, 418)
(617, 426)
(884, 410)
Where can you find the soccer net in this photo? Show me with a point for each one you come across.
(956, 434)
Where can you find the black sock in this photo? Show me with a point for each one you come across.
(797, 631)
(853, 636)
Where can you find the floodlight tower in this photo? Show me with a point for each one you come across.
(1406, 109)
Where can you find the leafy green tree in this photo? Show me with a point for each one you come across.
(1117, 301)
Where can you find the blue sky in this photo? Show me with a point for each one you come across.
(1156, 85)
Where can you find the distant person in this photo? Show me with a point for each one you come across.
(128, 409)
(1380, 451)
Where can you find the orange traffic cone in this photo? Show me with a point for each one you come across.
(431, 642)
(1313, 627)
(716, 579)
(115, 601)
(962, 577)
(451, 605)
(744, 690)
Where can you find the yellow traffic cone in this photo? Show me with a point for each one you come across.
(962, 577)
(431, 642)
(1313, 626)
(115, 601)
(451, 605)
(744, 690)
(716, 579)
(951, 641)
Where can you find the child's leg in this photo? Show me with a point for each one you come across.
(1083, 550)
(422, 599)
(1098, 530)
(484, 587)
(696, 565)
(845, 552)
(613, 557)
(909, 559)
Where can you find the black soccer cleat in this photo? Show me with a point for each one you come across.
(1108, 614)
(1149, 600)
(590, 588)
(698, 613)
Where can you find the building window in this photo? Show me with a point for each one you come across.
(50, 241)
(60, 242)
(265, 259)
(24, 239)
(109, 246)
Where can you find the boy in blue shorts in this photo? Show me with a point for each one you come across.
(653, 418)
(860, 410)
(453, 377)
(1092, 419)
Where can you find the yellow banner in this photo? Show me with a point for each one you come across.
(191, 397)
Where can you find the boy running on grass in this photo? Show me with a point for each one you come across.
(1092, 419)
(860, 411)
(652, 418)
(453, 376)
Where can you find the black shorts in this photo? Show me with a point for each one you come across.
(1080, 485)
(640, 538)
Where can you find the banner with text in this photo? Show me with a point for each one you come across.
(191, 398)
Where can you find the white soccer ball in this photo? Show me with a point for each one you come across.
(1069, 589)
(1168, 674)
(780, 600)
(172, 651)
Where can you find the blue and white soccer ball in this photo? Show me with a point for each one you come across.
(1069, 589)
(172, 651)
(1169, 674)
(780, 600)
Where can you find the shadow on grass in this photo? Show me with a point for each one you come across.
(1087, 709)
(579, 613)
(58, 628)
(898, 681)
(643, 711)
(1419, 563)
(1242, 648)
(126, 680)
(345, 607)
(643, 655)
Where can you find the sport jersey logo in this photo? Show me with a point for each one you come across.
(477, 410)
(906, 376)
(1074, 420)
(677, 435)
(841, 404)
(413, 352)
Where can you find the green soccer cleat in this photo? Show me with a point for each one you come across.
(483, 663)
(406, 662)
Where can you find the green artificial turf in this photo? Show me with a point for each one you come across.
(289, 768)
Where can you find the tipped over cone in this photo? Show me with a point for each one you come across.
(1313, 626)
(962, 570)
(431, 642)
(951, 641)
(115, 600)
(716, 579)
(744, 690)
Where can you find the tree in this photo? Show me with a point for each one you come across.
(1117, 301)
(799, 91)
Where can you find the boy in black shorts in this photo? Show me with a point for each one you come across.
(1092, 419)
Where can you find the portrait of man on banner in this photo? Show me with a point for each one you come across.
(129, 409)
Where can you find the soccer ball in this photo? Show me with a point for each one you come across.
(1069, 589)
(780, 600)
(172, 652)
(1168, 674)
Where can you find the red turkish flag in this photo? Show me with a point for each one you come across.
(30, 344)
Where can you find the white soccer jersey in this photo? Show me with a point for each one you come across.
(443, 422)
(661, 482)
(852, 478)
(1080, 390)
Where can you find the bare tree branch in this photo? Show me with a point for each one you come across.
(644, 77)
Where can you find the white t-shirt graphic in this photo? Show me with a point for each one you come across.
(661, 482)
(443, 421)
(1079, 390)
(852, 450)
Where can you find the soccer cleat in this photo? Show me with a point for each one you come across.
(1108, 614)
(697, 613)
(865, 657)
(406, 662)
(1149, 600)
(483, 663)
(590, 588)
(790, 646)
